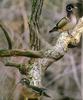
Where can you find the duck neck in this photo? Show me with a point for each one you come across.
(69, 14)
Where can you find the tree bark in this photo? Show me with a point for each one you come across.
(38, 66)
(35, 44)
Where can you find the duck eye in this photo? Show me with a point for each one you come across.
(69, 8)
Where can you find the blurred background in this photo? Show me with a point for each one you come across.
(62, 78)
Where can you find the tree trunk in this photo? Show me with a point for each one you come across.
(35, 72)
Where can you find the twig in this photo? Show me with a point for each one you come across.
(75, 71)
(65, 73)
(28, 53)
(22, 67)
(3, 27)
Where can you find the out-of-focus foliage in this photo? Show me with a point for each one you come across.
(63, 77)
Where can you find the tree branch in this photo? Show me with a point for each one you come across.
(3, 27)
(22, 67)
(55, 52)
(28, 53)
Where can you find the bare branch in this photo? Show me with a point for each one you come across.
(3, 27)
(22, 67)
(28, 53)
(55, 52)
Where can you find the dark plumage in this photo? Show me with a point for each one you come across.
(40, 91)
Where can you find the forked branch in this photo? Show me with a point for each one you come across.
(55, 52)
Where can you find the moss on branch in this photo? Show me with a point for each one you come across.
(26, 53)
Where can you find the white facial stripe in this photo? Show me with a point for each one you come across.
(76, 7)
